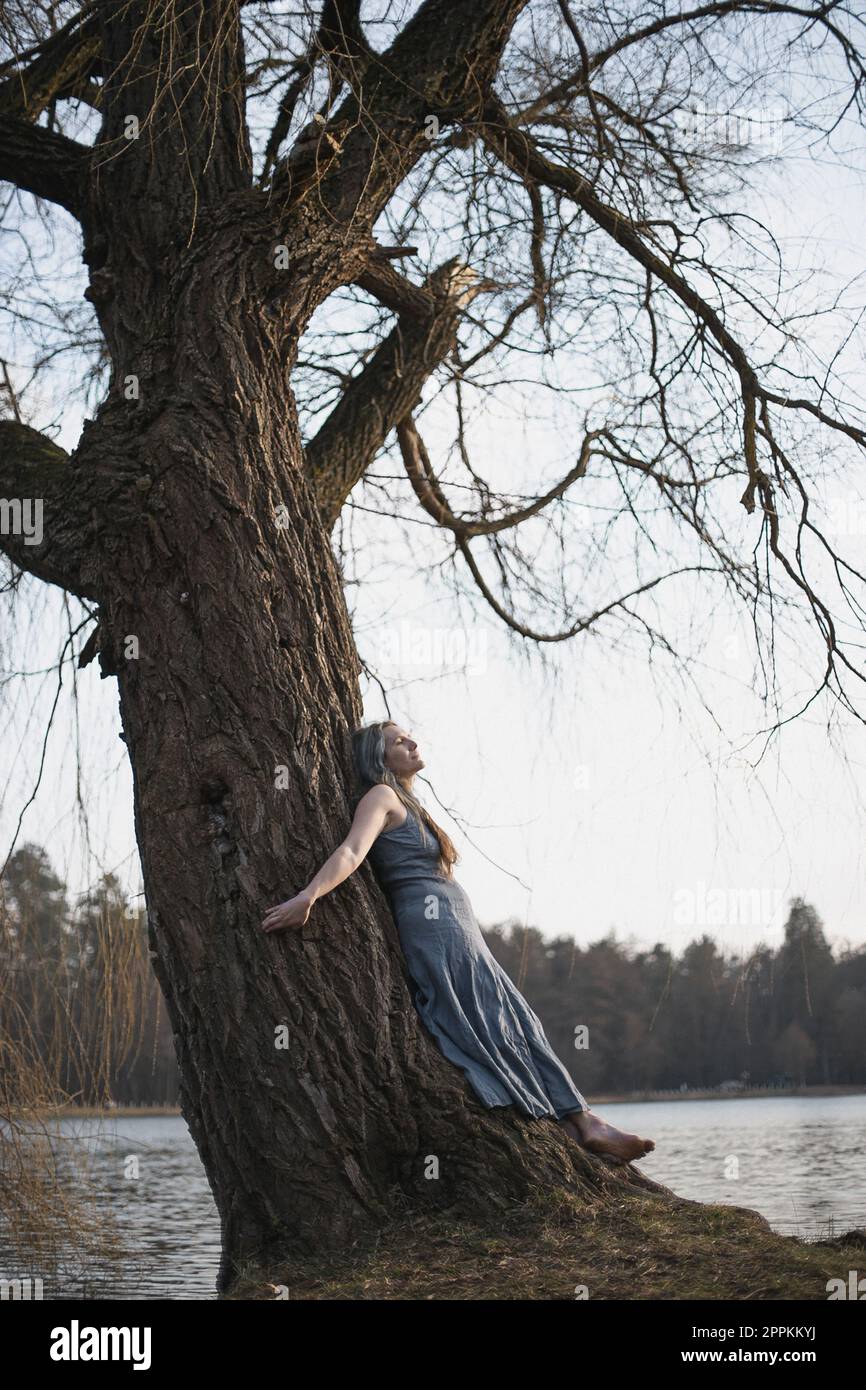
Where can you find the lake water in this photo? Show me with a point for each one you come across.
(797, 1160)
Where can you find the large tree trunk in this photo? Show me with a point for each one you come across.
(315, 1098)
(310, 1089)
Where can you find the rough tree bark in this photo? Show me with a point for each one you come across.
(188, 514)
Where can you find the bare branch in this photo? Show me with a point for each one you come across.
(35, 474)
(44, 163)
(39, 160)
(61, 66)
(521, 153)
(440, 64)
(394, 291)
(423, 479)
(391, 382)
(432, 499)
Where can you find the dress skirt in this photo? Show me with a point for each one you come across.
(479, 1019)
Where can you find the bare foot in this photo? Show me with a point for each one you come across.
(599, 1137)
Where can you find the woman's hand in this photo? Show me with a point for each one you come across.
(292, 913)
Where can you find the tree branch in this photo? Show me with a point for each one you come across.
(34, 470)
(394, 291)
(577, 82)
(36, 159)
(391, 382)
(426, 486)
(434, 502)
(43, 163)
(440, 64)
(339, 39)
(519, 151)
(61, 67)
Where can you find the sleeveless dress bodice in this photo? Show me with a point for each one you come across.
(468, 1003)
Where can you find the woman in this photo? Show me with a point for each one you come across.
(478, 1017)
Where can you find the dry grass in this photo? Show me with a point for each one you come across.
(635, 1247)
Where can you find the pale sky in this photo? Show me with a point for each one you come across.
(602, 797)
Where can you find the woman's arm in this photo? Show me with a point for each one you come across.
(371, 816)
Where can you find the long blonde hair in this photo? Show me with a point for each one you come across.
(368, 751)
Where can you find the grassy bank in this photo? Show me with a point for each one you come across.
(633, 1248)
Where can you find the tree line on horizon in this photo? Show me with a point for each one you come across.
(82, 1016)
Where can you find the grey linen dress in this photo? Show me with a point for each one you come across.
(477, 1015)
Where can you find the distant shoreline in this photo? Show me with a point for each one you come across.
(124, 1112)
(748, 1093)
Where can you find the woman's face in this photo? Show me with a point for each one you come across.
(401, 752)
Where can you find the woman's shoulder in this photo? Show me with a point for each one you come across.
(379, 795)
(384, 800)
